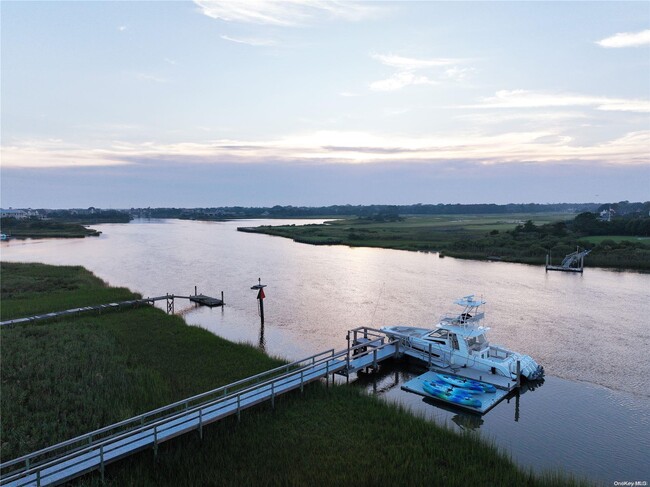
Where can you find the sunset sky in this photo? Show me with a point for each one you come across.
(258, 103)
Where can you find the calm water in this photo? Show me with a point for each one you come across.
(591, 332)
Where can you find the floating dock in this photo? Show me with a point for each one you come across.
(488, 400)
(204, 300)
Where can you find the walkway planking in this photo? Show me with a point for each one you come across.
(73, 458)
(367, 347)
(200, 299)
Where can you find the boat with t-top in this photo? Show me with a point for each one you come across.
(460, 340)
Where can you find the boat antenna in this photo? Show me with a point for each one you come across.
(372, 318)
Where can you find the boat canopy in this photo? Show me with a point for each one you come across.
(464, 331)
(469, 301)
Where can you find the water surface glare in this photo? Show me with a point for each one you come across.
(590, 331)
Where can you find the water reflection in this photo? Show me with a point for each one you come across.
(262, 341)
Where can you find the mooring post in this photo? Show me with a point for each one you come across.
(195, 292)
(518, 373)
(222, 301)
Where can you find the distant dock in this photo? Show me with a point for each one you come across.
(204, 300)
(200, 299)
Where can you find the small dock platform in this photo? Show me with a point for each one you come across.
(204, 300)
(488, 400)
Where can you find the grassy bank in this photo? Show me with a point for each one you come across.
(480, 237)
(34, 228)
(30, 289)
(63, 378)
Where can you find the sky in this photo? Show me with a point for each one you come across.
(307, 103)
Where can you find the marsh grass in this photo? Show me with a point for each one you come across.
(31, 289)
(65, 378)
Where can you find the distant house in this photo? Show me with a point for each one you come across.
(11, 213)
(606, 215)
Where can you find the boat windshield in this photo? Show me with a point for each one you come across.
(439, 334)
(478, 342)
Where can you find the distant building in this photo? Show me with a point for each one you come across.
(11, 213)
(606, 215)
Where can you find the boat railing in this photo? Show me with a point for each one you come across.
(462, 319)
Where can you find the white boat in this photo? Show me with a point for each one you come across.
(460, 341)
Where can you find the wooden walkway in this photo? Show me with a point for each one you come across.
(367, 347)
(93, 451)
(199, 299)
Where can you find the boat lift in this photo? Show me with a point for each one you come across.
(573, 262)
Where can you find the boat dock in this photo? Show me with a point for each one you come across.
(366, 349)
(204, 300)
(200, 299)
(573, 262)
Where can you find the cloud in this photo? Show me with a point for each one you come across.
(407, 67)
(353, 147)
(494, 117)
(54, 153)
(626, 39)
(122, 28)
(287, 13)
(411, 64)
(399, 80)
(531, 99)
(250, 41)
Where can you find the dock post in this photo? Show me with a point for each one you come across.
(222, 301)
(518, 373)
(347, 371)
(195, 293)
(101, 463)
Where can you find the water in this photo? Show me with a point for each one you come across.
(591, 417)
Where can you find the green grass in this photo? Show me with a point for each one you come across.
(30, 289)
(598, 239)
(30, 228)
(64, 378)
(430, 233)
(477, 237)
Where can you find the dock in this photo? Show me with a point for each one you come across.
(488, 400)
(200, 299)
(366, 349)
(204, 300)
(573, 262)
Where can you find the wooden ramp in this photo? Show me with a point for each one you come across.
(73, 458)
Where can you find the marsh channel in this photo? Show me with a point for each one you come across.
(591, 415)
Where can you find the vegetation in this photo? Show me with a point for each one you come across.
(36, 228)
(88, 216)
(362, 211)
(31, 289)
(66, 377)
(520, 238)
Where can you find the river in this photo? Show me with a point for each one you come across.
(591, 416)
